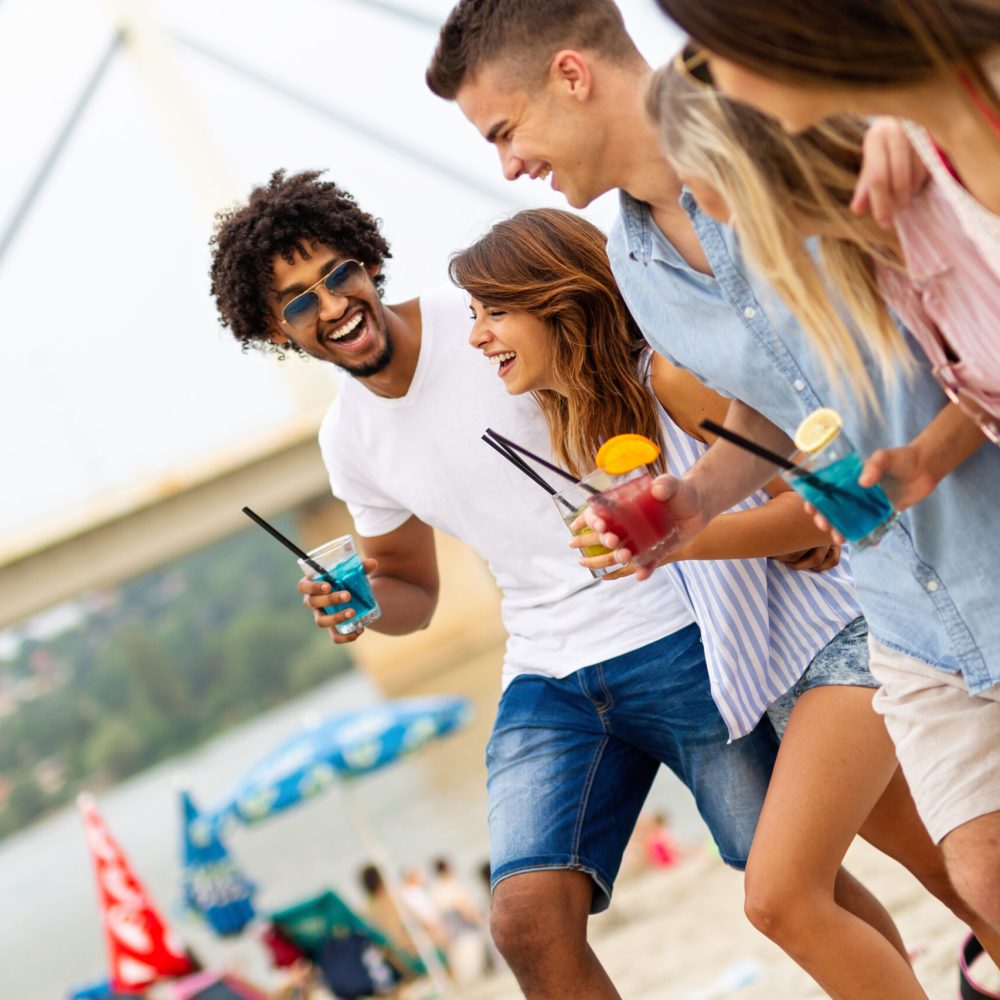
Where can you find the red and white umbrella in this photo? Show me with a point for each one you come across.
(141, 947)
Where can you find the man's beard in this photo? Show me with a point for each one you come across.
(381, 360)
(373, 367)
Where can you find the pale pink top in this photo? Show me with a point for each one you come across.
(949, 291)
(980, 224)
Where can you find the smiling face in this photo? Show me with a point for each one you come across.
(349, 331)
(518, 344)
(548, 133)
(796, 106)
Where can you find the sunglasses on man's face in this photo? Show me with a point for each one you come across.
(302, 312)
(693, 63)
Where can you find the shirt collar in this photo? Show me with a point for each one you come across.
(643, 239)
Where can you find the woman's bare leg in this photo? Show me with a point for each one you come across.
(836, 760)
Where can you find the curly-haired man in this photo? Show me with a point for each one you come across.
(610, 681)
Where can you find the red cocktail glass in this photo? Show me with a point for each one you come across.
(640, 521)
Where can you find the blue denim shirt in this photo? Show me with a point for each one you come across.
(928, 589)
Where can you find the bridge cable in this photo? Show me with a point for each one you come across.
(353, 124)
(48, 163)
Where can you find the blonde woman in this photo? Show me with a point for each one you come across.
(743, 169)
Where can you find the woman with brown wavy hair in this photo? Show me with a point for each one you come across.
(548, 312)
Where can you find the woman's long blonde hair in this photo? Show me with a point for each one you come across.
(553, 265)
(774, 185)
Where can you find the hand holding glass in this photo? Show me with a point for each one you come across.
(344, 571)
(642, 523)
(862, 514)
(572, 502)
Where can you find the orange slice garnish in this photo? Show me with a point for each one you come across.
(625, 452)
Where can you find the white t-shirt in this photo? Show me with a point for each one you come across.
(421, 454)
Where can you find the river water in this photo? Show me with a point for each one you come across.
(431, 803)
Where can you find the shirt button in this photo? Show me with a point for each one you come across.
(932, 585)
(799, 385)
(749, 312)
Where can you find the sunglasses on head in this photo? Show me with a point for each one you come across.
(346, 278)
(693, 63)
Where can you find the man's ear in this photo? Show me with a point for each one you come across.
(570, 71)
(373, 270)
(274, 333)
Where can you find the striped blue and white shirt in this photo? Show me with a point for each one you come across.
(761, 622)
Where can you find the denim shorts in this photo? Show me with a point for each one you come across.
(571, 760)
(843, 660)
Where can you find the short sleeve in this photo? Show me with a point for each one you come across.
(373, 512)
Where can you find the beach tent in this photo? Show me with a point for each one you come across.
(356, 958)
(214, 985)
(212, 885)
(141, 947)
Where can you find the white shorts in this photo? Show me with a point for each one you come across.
(947, 741)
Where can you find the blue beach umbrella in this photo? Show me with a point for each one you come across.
(212, 884)
(347, 744)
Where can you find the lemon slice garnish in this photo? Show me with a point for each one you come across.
(818, 430)
(625, 452)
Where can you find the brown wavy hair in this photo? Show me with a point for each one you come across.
(553, 265)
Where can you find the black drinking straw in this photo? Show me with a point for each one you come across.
(523, 466)
(772, 456)
(507, 443)
(287, 542)
(747, 445)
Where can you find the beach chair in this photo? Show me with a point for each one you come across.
(355, 957)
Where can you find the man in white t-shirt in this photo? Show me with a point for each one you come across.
(600, 684)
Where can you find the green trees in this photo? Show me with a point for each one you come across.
(172, 658)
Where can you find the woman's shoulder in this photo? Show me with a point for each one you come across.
(686, 400)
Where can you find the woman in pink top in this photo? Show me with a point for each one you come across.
(934, 62)
(743, 168)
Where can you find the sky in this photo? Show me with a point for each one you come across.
(117, 373)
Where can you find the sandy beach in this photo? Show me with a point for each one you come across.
(680, 934)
